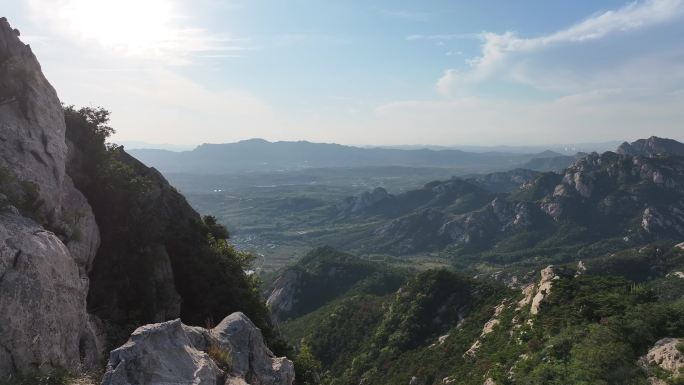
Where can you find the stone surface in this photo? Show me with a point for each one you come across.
(543, 288)
(252, 360)
(43, 274)
(282, 297)
(32, 128)
(160, 354)
(665, 354)
(43, 301)
(489, 325)
(78, 221)
(528, 292)
(172, 353)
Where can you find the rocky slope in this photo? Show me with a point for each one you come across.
(566, 326)
(653, 146)
(600, 199)
(93, 243)
(47, 248)
(324, 275)
(505, 181)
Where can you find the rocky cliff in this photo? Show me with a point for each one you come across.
(46, 247)
(653, 146)
(632, 196)
(93, 243)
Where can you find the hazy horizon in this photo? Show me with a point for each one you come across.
(569, 147)
(380, 73)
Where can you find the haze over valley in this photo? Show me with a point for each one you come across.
(341, 193)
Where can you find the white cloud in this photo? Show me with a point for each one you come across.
(507, 56)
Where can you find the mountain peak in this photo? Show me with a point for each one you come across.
(255, 141)
(653, 146)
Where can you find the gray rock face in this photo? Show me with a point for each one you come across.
(32, 128)
(172, 353)
(43, 276)
(43, 301)
(283, 296)
(167, 301)
(78, 222)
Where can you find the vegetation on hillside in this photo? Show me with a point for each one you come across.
(591, 329)
(141, 220)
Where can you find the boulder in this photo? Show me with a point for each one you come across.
(666, 357)
(172, 353)
(665, 354)
(42, 306)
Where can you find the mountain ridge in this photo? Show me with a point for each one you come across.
(259, 154)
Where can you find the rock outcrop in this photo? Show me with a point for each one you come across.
(68, 282)
(282, 299)
(32, 123)
(664, 355)
(632, 195)
(232, 353)
(486, 329)
(653, 146)
(44, 259)
(543, 288)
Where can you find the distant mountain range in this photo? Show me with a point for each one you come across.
(134, 144)
(612, 200)
(262, 155)
(565, 149)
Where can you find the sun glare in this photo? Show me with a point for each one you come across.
(134, 27)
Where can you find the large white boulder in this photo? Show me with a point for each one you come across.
(233, 352)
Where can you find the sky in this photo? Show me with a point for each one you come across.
(385, 72)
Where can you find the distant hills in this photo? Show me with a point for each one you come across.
(607, 201)
(262, 155)
(599, 204)
(552, 163)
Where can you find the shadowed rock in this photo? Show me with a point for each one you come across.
(172, 353)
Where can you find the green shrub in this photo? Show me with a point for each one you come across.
(222, 357)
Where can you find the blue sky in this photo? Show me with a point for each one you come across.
(367, 72)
